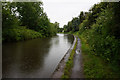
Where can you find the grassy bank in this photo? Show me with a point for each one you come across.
(94, 66)
(69, 63)
(19, 34)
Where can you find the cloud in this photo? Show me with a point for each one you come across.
(63, 11)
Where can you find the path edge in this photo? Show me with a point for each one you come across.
(59, 71)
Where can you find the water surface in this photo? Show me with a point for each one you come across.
(36, 58)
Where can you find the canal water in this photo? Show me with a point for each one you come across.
(35, 58)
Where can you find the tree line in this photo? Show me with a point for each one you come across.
(100, 27)
(25, 20)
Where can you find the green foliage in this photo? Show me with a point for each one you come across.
(81, 17)
(60, 30)
(101, 31)
(72, 25)
(9, 20)
(69, 63)
(83, 26)
(18, 34)
(94, 66)
(102, 39)
(29, 14)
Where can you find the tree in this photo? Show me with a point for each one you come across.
(75, 24)
(81, 17)
(30, 13)
(8, 17)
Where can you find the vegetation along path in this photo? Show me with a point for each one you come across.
(77, 70)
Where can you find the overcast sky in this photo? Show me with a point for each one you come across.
(63, 11)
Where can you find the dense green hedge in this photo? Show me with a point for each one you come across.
(18, 34)
(101, 38)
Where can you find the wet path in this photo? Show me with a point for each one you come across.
(77, 70)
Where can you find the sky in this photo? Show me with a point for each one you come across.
(62, 11)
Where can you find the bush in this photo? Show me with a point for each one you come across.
(18, 34)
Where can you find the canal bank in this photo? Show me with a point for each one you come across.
(59, 71)
(77, 69)
(71, 65)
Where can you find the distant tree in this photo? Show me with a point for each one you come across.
(75, 24)
(65, 28)
(56, 25)
(70, 26)
(60, 29)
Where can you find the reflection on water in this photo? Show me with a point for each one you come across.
(34, 58)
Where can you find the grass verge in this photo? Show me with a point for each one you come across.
(94, 66)
(69, 63)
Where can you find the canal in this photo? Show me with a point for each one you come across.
(35, 58)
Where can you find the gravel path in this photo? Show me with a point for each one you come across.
(77, 70)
